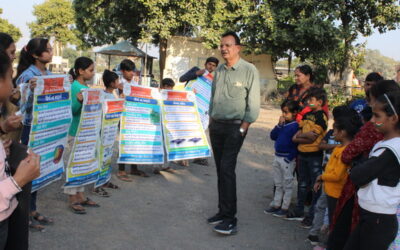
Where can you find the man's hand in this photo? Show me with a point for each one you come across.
(13, 122)
(244, 127)
(28, 170)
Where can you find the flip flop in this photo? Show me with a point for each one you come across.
(43, 220)
(35, 226)
(110, 185)
(124, 177)
(101, 192)
(87, 203)
(139, 173)
(75, 210)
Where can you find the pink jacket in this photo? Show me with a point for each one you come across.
(8, 189)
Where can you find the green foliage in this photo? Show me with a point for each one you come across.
(285, 83)
(55, 18)
(9, 28)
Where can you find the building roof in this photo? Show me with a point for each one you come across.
(123, 48)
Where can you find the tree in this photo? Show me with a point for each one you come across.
(322, 32)
(103, 22)
(9, 28)
(55, 19)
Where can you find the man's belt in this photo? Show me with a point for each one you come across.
(228, 121)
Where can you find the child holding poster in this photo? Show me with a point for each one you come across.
(111, 83)
(166, 83)
(127, 68)
(82, 71)
(32, 62)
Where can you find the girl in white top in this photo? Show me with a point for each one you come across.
(378, 180)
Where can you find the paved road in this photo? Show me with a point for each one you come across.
(168, 211)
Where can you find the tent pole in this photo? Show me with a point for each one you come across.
(109, 61)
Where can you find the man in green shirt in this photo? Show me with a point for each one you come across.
(235, 104)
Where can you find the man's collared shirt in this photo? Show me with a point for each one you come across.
(236, 92)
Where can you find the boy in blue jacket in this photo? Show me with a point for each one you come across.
(285, 155)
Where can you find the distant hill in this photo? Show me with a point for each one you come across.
(375, 61)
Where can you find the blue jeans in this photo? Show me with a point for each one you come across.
(308, 169)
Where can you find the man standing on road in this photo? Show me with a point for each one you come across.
(235, 104)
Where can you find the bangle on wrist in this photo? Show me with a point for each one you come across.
(15, 184)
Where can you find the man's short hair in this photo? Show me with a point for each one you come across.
(213, 60)
(127, 65)
(231, 33)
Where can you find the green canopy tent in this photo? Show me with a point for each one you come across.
(125, 48)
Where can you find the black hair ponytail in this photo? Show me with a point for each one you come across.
(5, 40)
(80, 63)
(35, 46)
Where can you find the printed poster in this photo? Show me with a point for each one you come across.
(112, 110)
(52, 117)
(183, 131)
(201, 86)
(141, 140)
(84, 161)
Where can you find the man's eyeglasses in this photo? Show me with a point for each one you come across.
(221, 46)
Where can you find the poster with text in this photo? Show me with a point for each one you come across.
(140, 139)
(84, 162)
(201, 86)
(50, 124)
(112, 110)
(183, 132)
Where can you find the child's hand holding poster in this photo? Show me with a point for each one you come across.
(183, 132)
(84, 161)
(51, 120)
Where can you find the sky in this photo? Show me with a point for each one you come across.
(19, 13)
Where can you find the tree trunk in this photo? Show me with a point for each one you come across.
(289, 63)
(163, 56)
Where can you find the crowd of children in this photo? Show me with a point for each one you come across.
(32, 63)
(349, 176)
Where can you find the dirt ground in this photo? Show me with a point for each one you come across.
(169, 211)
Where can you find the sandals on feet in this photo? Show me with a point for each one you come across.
(89, 203)
(101, 192)
(43, 220)
(124, 177)
(139, 173)
(77, 208)
(35, 226)
(110, 185)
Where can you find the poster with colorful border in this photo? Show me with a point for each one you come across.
(52, 117)
(183, 131)
(140, 139)
(84, 161)
(112, 110)
(201, 86)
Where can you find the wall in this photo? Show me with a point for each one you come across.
(184, 53)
